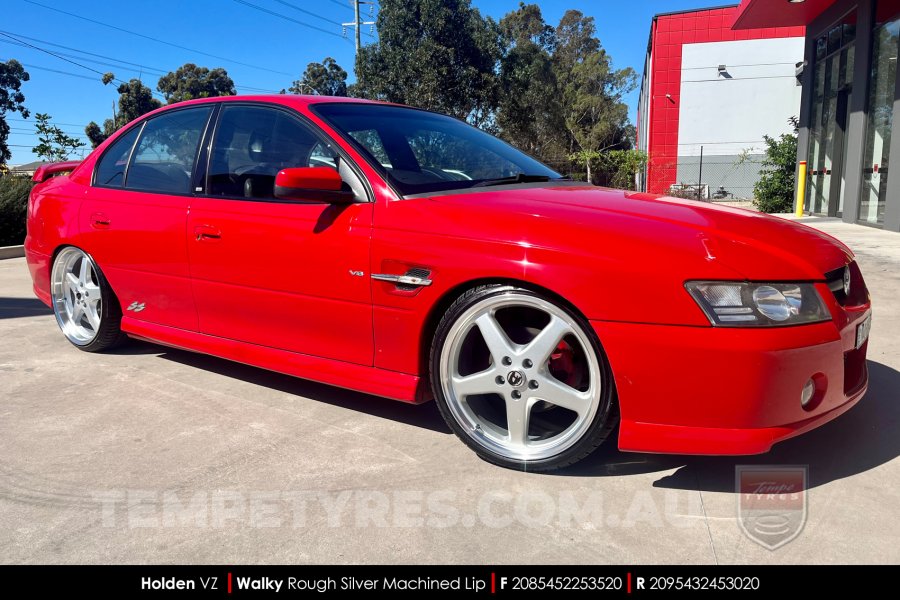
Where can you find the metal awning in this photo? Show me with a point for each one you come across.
(756, 14)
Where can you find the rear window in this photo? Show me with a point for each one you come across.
(163, 159)
(111, 169)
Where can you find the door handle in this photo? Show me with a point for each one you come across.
(99, 220)
(206, 232)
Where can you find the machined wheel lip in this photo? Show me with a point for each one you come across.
(76, 296)
(482, 432)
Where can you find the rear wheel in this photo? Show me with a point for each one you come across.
(86, 310)
(521, 379)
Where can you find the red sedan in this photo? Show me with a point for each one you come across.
(405, 254)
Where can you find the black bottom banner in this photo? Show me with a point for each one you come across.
(602, 581)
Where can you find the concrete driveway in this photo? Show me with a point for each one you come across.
(157, 455)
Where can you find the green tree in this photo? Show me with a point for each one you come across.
(774, 191)
(12, 75)
(13, 202)
(619, 167)
(53, 143)
(190, 81)
(591, 90)
(135, 100)
(326, 78)
(529, 114)
(435, 54)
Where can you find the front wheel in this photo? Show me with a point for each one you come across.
(86, 309)
(522, 379)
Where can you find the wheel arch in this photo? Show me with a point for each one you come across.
(63, 245)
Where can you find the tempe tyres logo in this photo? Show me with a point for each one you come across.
(772, 502)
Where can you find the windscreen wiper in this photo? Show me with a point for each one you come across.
(517, 178)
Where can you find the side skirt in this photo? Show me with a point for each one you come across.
(369, 380)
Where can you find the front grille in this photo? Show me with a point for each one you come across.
(859, 293)
(835, 281)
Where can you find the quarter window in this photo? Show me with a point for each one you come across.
(253, 143)
(111, 169)
(164, 157)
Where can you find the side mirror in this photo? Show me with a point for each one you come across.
(311, 184)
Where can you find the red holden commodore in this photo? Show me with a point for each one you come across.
(405, 254)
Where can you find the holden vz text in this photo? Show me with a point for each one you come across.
(175, 583)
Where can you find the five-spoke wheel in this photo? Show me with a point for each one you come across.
(84, 307)
(521, 379)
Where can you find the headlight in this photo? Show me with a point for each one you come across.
(741, 304)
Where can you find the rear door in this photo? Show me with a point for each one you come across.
(134, 215)
(282, 274)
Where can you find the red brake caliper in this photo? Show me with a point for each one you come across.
(562, 364)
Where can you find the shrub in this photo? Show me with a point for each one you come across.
(774, 192)
(13, 201)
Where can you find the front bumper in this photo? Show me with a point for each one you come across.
(710, 390)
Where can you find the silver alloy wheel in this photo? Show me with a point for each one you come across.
(77, 301)
(520, 374)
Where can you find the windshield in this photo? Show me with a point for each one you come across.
(422, 152)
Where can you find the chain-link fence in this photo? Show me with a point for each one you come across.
(707, 173)
(718, 177)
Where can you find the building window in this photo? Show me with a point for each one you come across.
(835, 54)
(880, 112)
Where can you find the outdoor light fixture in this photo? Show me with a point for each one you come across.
(722, 69)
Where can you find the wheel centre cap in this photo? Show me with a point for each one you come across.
(515, 378)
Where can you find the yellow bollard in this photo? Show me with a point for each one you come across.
(801, 190)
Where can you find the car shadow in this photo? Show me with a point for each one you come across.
(863, 438)
(421, 415)
(855, 442)
(16, 308)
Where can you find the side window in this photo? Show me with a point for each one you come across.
(164, 157)
(111, 168)
(253, 143)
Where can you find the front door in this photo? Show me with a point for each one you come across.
(287, 275)
(133, 217)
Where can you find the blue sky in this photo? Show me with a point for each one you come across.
(260, 51)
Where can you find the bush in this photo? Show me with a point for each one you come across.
(13, 201)
(774, 191)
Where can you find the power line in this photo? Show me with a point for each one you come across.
(306, 12)
(60, 72)
(52, 123)
(312, 14)
(118, 67)
(281, 16)
(150, 70)
(124, 62)
(346, 4)
(153, 39)
(77, 64)
(26, 131)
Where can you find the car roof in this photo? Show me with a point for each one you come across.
(294, 100)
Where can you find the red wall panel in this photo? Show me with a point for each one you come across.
(668, 35)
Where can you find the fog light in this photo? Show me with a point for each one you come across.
(806, 396)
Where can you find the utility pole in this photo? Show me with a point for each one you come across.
(357, 22)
